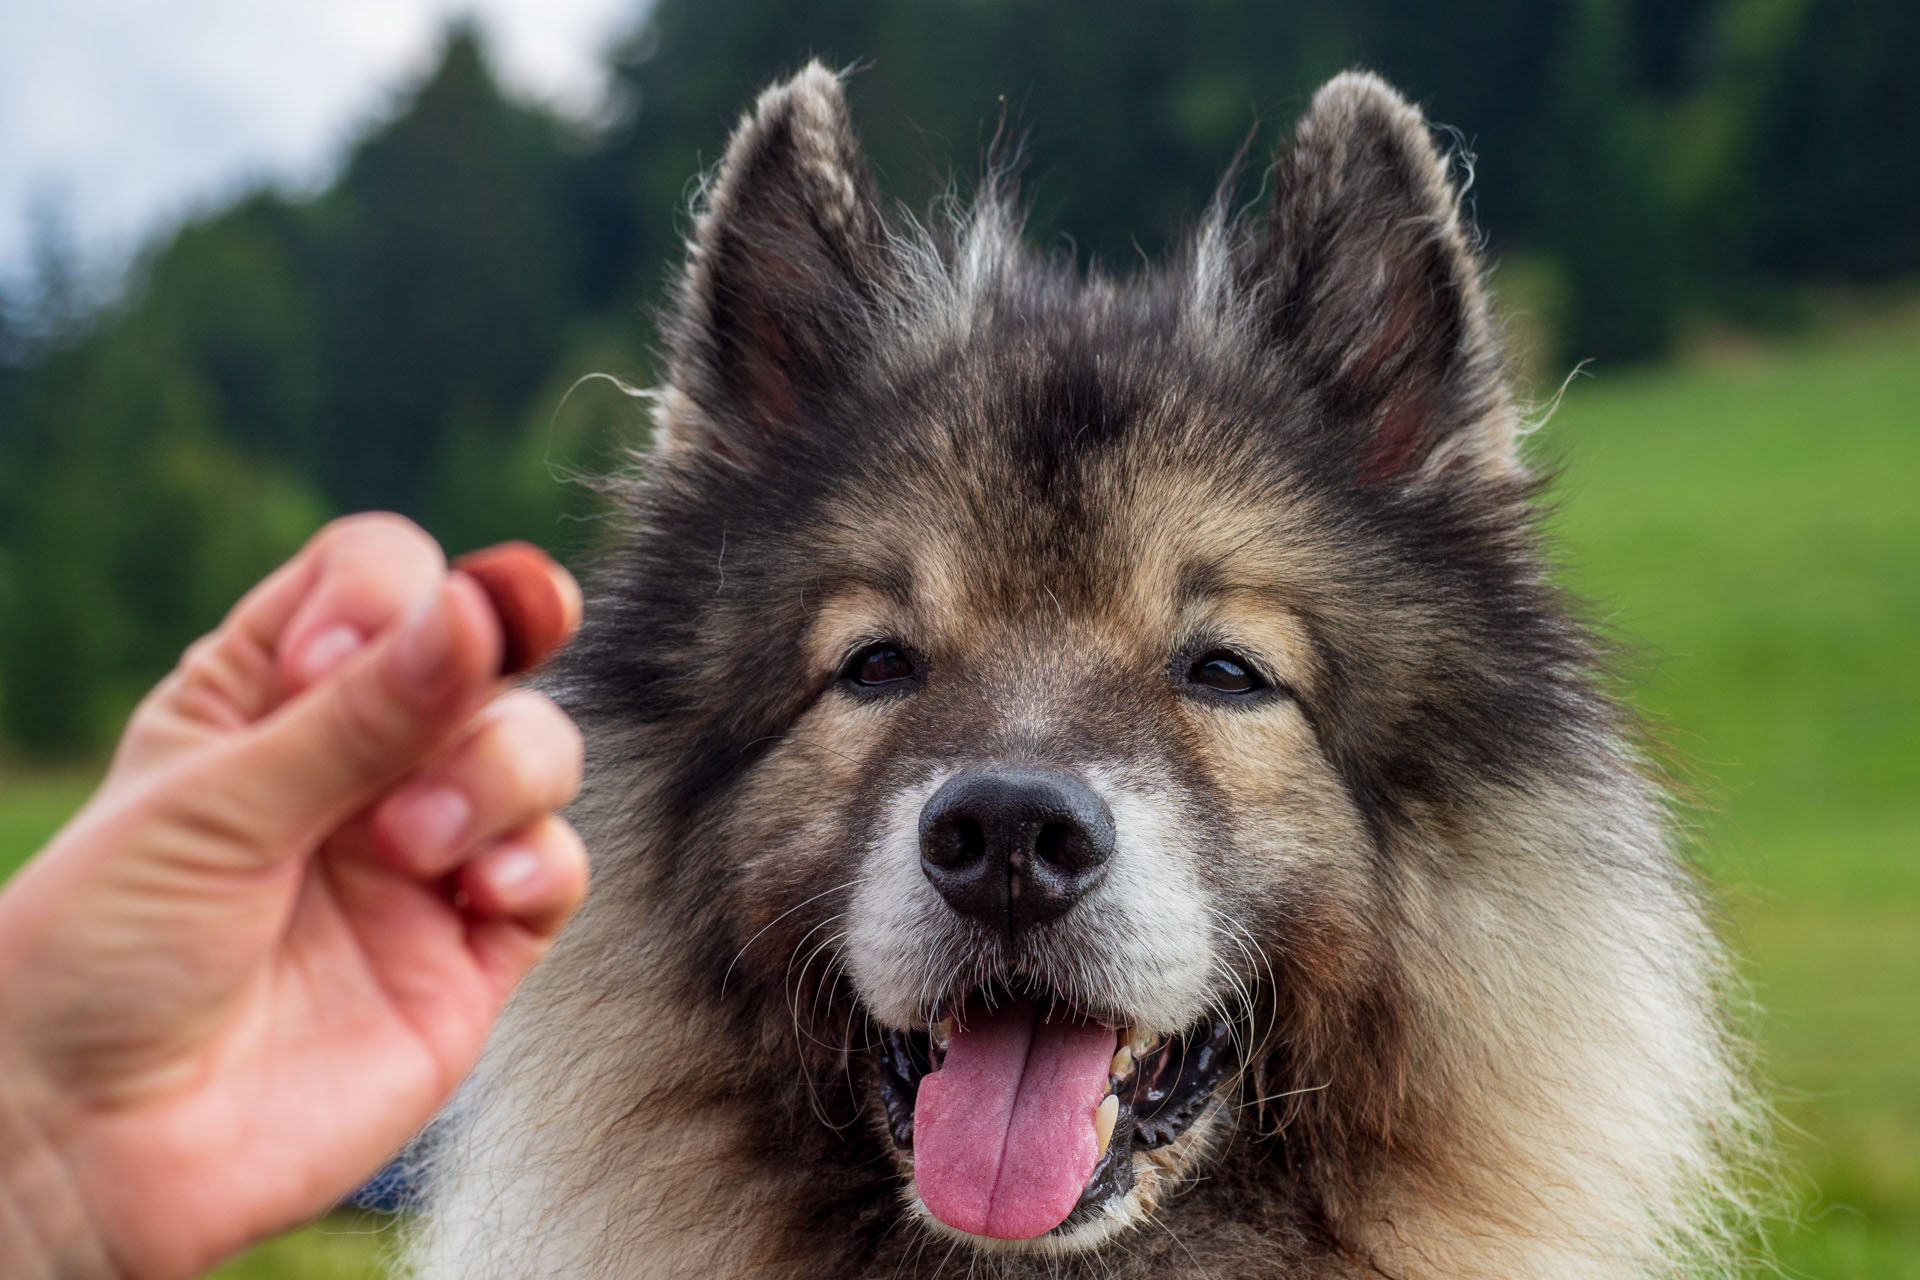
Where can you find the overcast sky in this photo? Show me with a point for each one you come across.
(127, 115)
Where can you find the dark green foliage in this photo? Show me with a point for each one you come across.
(1596, 195)
(450, 287)
(407, 337)
(1834, 154)
(233, 297)
(130, 526)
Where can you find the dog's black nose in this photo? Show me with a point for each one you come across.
(1014, 848)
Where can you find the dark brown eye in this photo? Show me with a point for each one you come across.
(1225, 673)
(878, 664)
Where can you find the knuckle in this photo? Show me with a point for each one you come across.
(569, 751)
(564, 850)
(518, 776)
(359, 523)
(150, 710)
(221, 666)
(199, 655)
(538, 749)
(362, 728)
(379, 536)
(569, 844)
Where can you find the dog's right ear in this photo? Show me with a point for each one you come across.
(1368, 280)
(785, 277)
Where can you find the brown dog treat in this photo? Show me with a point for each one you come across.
(536, 600)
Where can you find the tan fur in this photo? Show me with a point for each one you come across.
(1476, 1005)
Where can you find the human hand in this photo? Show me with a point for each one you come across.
(272, 944)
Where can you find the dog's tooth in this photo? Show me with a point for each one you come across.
(1104, 1117)
(1140, 1040)
(1122, 1065)
(943, 1032)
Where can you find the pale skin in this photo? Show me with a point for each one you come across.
(271, 945)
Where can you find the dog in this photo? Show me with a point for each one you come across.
(1091, 776)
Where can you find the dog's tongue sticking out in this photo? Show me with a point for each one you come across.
(1003, 1133)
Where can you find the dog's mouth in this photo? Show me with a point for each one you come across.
(1022, 1114)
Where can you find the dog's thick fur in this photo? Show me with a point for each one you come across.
(1425, 874)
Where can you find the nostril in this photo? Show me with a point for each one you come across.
(1060, 845)
(966, 843)
(956, 843)
(973, 841)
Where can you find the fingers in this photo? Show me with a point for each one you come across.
(312, 763)
(370, 569)
(534, 877)
(519, 761)
(519, 893)
(369, 656)
(354, 578)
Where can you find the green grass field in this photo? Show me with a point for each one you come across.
(1749, 519)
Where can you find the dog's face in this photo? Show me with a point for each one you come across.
(1062, 754)
(1051, 670)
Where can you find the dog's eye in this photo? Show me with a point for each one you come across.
(878, 664)
(1225, 673)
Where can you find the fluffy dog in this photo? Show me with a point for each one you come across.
(1090, 777)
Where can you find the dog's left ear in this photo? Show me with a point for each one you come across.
(785, 276)
(1367, 282)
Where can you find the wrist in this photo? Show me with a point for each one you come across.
(46, 1232)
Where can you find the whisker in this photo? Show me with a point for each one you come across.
(776, 920)
(1287, 1093)
(799, 741)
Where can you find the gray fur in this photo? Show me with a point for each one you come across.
(1479, 1008)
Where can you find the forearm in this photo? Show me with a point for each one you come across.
(45, 1230)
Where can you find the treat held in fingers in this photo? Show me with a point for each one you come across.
(537, 602)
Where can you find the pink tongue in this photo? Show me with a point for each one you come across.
(1003, 1140)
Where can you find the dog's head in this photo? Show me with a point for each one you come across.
(1062, 684)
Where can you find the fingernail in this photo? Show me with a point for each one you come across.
(425, 822)
(423, 647)
(510, 873)
(326, 651)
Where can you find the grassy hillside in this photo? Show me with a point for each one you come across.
(1750, 521)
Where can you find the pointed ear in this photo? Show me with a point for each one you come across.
(1367, 281)
(785, 276)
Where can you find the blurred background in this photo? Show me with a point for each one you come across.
(260, 264)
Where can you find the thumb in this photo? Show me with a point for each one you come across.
(326, 754)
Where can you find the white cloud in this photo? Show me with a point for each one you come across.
(132, 113)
